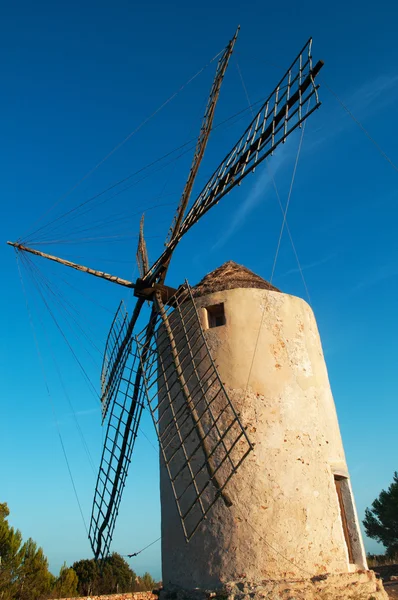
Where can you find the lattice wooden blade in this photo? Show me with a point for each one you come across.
(117, 349)
(116, 335)
(201, 437)
(277, 118)
(124, 418)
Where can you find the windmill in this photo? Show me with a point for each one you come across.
(168, 366)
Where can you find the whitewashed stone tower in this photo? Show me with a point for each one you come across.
(293, 510)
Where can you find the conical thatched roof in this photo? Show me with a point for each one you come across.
(228, 277)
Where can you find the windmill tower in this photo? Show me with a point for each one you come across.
(292, 493)
(254, 484)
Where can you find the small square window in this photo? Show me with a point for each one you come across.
(215, 315)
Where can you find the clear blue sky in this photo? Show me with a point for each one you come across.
(76, 79)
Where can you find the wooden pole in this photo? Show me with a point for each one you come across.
(73, 265)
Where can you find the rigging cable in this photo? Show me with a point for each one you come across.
(289, 234)
(35, 280)
(87, 378)
(62, 302)
(50, 397)
(284, 222)
(240, 114)
(77, 424)
(289, 195)
(366, 132)
(271, 173)
(284, 213)
(120, 144)
(84, 294)
(277, 252)
(348, 111)
(147, 438)
(42, 286)
(109, 188)
(105, 222)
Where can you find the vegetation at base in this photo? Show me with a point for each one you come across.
(381, 521)
(110, 576)
(381, 560)
(24, 573)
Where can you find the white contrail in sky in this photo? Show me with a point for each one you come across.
(257, 194)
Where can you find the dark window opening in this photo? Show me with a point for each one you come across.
(344, 496)
(215, 315)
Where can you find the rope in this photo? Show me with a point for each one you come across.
(142, 550)
(366, 132)
(49, 395)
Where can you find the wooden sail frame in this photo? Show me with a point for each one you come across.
(201, 437)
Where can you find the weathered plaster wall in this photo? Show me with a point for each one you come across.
(285, 519)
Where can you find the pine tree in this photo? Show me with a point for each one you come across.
(88, 574)
(24, 573)
(381, 521)
(147, 582)
(116, 575)
(10, 556)
(110, 576)
(34, 578)
(65, 585)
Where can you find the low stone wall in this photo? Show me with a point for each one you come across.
(361, 585)
(125, 596)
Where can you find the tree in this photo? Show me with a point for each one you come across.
(88, 574)
(381, 521)
(34, 578)
(116, 575)
(147, 583)
(10, 555)
(24, 569)
(65, 585)
(110, 576)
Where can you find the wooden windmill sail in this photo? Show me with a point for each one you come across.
(201, 431)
